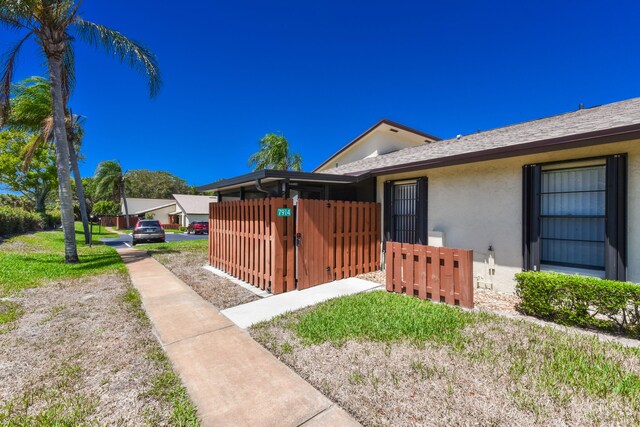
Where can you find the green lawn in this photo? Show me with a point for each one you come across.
(174, 231)
(28, 260)
(176, 247)
(383, 317)
(379, 337)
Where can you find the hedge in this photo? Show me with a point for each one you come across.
(16, 221)
(581, 301)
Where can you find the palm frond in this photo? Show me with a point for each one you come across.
(17, 14)
(130, 51)
(30, 104)
(29, 150)
(54, 13)
(8, 69)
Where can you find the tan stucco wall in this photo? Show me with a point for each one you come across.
(162, 215)
(480, 204)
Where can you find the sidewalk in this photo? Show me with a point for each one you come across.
(232, 380)
(248, 314)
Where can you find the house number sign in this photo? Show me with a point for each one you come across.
(284, 211)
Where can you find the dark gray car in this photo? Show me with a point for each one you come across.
(148, 230)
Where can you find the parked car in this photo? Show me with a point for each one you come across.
(198, 227)
(148, 230)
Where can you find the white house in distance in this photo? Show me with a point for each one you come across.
(190, 208)
(160, 208)
(183, 209)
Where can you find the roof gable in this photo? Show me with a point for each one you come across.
(384, 137)
(192, 204)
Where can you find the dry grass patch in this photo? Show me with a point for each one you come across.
(394, 360)
(83, 353)
(185, 260)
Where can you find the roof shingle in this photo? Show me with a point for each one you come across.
(600, 118)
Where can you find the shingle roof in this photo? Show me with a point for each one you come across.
(583, 121)
(191, 204)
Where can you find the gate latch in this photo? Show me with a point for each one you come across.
(298, 239)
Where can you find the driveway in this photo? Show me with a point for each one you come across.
(125, 240)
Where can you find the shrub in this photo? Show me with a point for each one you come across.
(581, 301)
(106, 207)
(17, 221)
(52, 218)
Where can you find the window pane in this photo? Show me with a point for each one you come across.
(587, 203)
(572, 217)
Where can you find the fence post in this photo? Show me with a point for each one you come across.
(277, 249)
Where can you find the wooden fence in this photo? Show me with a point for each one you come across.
(118, 221)
(338, 239)
(171, 226)
(439, 274)
(248, 240)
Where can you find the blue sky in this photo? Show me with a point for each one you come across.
(323, 72)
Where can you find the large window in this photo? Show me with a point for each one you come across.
(405, 211)
(574, 217)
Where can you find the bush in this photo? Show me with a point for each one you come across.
(17, 221)
(106, 207)
(52, 218)
(581, 301)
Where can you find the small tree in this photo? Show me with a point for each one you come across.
(274, 154)
(109, 183)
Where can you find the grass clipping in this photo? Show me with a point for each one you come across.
(395, 360)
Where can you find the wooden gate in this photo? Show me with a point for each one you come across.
(336, 239)
(248, 240)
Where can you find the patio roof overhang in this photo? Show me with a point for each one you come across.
(268, 175)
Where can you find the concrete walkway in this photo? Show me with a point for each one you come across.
(232, 380)
(245, 315)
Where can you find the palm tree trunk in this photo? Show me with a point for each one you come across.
(62, 159)
(124, 202)
(80, 189)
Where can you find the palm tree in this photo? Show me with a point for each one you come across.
(31, 111)
(109, 183)
(274, 154)
(53, 23)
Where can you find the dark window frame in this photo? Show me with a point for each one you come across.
(615, 215)
(421, 211)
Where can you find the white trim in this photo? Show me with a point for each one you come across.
(247, 286)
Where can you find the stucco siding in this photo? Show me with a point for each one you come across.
(480, 205)
(162, 214)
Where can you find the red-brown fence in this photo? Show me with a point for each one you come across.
(118, 221)
(248, 240)
(439, 274)
(171, 226)
(338, 239)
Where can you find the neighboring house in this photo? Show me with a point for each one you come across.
(158, 208)
(190, 208)
(556, 194)
(183, 209)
